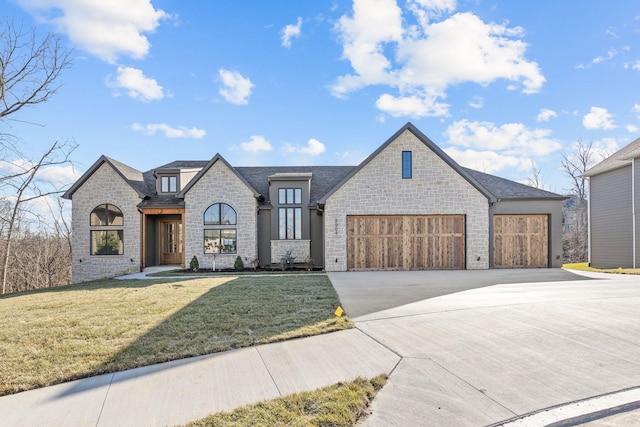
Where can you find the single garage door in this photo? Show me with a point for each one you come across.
(405, 242)
(520, 241)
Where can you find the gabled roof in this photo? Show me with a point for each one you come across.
(431, 145)
(131, 176)
(206, 168)
(504, 189)
(617, 160)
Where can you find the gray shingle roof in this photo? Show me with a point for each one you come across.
(618, 159)
(503, 188)
(324, 178)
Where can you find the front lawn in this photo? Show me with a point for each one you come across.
(60, 334)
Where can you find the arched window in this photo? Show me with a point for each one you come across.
(220, 235)
(106, 215)
(106, 232)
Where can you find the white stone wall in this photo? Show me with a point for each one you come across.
(378, 189)
(220, 185)
(104, 186)
(301, 249)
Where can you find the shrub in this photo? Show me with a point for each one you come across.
(238, 265)
(194, 265)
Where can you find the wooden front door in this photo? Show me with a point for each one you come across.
(171, 242)
(520, 241)
(405, 242)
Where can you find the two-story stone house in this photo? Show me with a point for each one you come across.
(407, 206)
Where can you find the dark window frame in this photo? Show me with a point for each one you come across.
(290, 196)
(286, 229)
(105, 249)
(215, 228)
(407, 165)
(171, 184)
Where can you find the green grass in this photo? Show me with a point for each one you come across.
(339, 405)
(60, 334)
(584, 266)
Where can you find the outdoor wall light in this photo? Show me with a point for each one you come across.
(478, 259)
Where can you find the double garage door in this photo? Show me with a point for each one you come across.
(421, 242)
(405, 242)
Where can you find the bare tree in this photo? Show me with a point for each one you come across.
(27, 189)
(535, 178)
(575, 233)
(30, 68)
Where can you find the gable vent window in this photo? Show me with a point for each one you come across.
(169, 184)
(106, 232)
(407, 167)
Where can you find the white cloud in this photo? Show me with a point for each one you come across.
(170, 132)
(255, 144)
(106, 29)
(313, 148)
(632, 128)
(236, 89)
(636, 109)
(136, 84)
(476, 102)
(484, 161)
(610, 55)
(491, 148)
(413, 106)
(598, 118)
(291, 31)
(421, 63)
(545, 115)
(58, 176)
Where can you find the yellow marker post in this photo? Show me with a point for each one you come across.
(339, 311)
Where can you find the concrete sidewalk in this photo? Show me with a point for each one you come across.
(177, 392)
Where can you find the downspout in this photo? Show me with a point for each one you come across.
(589, 226)
(633, 208)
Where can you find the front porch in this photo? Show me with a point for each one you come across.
(163, 237)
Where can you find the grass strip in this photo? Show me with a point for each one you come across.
(342, 404)
(584, 266)
(60, 334)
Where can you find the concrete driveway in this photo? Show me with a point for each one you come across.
(525, 354)
(368, 292)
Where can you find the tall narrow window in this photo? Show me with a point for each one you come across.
(290, 223)
(406, 165)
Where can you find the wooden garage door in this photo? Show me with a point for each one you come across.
(520, 241)
(405, 242)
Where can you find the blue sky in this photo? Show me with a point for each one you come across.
(499, 85)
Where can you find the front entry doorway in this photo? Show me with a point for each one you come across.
(171, 242)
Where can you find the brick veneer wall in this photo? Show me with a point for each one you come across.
(104, 186)
(435, 189)
(220, 185)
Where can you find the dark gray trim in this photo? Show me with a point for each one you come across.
(431, 145)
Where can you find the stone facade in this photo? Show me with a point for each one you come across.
(220, 185)
(300, 249)
(105, 186)
(379, 189)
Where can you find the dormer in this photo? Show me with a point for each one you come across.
(170, 181)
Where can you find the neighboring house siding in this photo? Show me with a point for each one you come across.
(611, 219)
(379, 189)
(220, 185)
(636, 201)
(104, 186)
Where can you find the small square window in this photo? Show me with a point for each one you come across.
(169, 184)
(407, 168)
